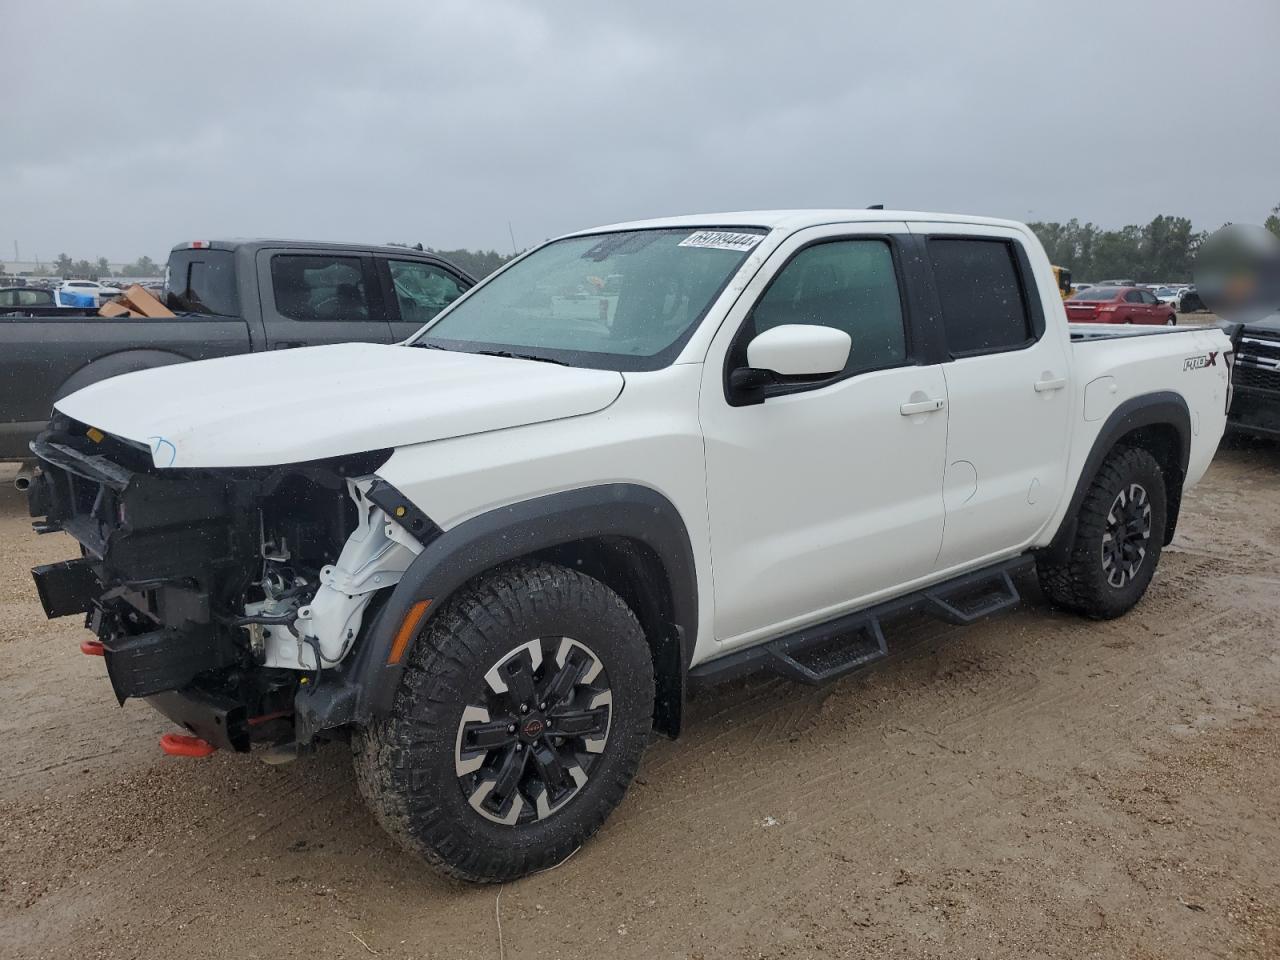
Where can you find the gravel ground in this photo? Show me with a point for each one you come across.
(1031, 786)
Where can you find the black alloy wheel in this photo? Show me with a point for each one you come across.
(1128, 531)
(528, 740)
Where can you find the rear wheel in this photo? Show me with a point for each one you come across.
(519, 724)
(1118, 537)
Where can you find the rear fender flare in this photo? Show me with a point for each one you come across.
(1165, 408)
(115, 364)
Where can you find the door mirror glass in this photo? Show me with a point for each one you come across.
(800, 350)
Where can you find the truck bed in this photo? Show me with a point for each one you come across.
(1082, 332)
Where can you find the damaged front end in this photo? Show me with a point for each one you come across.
(220, 596)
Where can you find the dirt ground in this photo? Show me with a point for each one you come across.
(1032, 786)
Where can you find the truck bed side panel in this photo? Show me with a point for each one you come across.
(44, 359)
(1189, 362)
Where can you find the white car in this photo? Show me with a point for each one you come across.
(72, 290)
(495, 556)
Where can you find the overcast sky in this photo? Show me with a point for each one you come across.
(131, 126)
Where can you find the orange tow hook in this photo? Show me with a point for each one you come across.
(92, 648)
(180, 745)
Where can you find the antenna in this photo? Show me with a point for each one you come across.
(876, 206)
(513, 238)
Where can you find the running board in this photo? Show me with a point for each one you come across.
(823, 652)
(965, 601)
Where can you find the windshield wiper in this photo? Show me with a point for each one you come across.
(520, 356)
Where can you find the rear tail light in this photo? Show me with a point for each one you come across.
(198, 245)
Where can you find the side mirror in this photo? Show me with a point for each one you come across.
(800, 350)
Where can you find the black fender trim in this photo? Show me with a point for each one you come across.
(617, 510)
(1165, 408)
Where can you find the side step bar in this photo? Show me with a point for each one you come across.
(821, 653)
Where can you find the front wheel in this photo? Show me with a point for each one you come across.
(1118, 536)
(519, 724)
(1171, 321)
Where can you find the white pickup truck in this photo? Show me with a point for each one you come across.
(496, 556)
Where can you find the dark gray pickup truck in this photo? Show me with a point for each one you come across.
(238, 296)
(1256, 405)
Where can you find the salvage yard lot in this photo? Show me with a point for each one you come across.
(1033, 785)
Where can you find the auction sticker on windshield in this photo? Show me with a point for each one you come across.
(722, 240)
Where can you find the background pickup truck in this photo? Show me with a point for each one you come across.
(1256, 408)
(230, 297)
(641, 457)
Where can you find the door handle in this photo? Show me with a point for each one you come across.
(1050, 384)
(922, 406)
(288, 344)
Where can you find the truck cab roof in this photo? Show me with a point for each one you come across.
(799, 219)
(263, 243)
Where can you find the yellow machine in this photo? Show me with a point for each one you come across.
(1063, 276)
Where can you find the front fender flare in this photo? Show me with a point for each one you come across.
(507, 533)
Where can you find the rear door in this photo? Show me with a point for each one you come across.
(1008, 391)
(313, 297)
(1133, 310)
(417, 290)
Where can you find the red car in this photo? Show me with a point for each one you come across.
(1119, 305)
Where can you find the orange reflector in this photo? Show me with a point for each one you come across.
(412, 620)
(94, 434)
(92, 648)
(179, 745)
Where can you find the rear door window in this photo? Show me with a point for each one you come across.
(320, 287)
(984, 308)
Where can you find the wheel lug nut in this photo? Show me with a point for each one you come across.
(542, 706)
(524, 708)
(511, 728)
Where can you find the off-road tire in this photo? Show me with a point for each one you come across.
(405, 763)
(1079, 581)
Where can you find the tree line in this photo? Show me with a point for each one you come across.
(1163, 250)
(66, 267)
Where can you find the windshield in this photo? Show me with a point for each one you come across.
(1097, 293)
(622, 301)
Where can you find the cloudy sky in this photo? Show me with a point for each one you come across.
(129, 126)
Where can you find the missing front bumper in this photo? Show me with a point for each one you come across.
(216, 720)
(66, 588)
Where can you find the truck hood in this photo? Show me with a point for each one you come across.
(305, 404)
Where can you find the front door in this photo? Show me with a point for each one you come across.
(829, 493)
(316, 297)
(419, 290)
